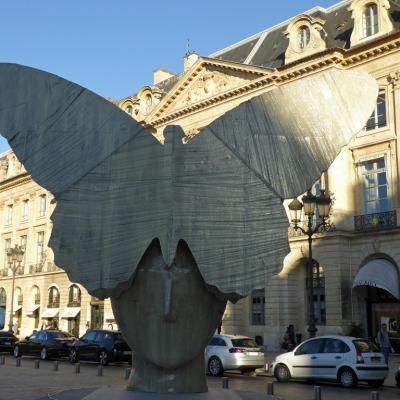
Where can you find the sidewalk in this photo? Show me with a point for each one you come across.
(394, 364)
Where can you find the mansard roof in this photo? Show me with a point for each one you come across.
(267, 48)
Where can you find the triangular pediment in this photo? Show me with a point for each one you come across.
(207, 80)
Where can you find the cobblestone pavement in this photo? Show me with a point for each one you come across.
(27, 383)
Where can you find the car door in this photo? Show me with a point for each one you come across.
(304, 362)
(86, 345)
(331, 357)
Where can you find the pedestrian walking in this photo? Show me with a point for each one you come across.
(383, 341)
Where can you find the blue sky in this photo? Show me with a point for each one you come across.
(112, 47)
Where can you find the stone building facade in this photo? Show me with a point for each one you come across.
(43, 294)
(356, 273)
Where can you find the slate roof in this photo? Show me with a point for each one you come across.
(272, 44)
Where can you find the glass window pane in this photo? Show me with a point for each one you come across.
(382, 178)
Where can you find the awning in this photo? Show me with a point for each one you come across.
(110, 318)
(32, 310)
(17, 308)
(71, 312)
(50, 312)
(379, 273)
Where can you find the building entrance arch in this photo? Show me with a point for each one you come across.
(378, 283)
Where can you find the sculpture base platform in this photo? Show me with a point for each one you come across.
(108, 393)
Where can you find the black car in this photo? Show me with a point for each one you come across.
(100, 345)
(45, 344)
(7, 341)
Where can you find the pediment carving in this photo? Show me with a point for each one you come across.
(208, 84)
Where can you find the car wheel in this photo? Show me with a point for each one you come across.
(215, 367)
(376, 383)
(73, 356)
(282, 373)
(17, 351)
(44, 355)
(347, 378)
(103, 357)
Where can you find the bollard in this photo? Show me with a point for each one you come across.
(270, 388)
(317, 392)
(2, 360)
(77, 368)
(36, 364)
(374, 395)
(18, 362)
(225, 382)
(100, 370)
(55, 366)
(127, 373)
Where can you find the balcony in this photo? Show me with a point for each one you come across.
(35, 268)
(19, 270)
(37, 298)
(74, 303)
(375, 222)
(20, 299)
(3, 272)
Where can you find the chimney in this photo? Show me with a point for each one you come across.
(189, 59)
(161, 74)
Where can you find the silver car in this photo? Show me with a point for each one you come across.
(340, 358)
(226, 352)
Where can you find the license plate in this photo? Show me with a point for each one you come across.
(375, 359)
(126, 353)
(252, 353)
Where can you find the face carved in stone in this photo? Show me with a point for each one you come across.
(168, 302)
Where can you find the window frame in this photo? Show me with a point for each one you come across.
(370, 13)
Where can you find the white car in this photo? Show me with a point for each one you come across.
(226, 352)
(340, 358)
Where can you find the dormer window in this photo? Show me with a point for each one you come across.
(129, 110)
(148, 103)
(370, 20)
(303, 37)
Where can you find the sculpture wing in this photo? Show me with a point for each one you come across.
(233, 176)
(117, 188)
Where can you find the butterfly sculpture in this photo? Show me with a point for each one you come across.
(125, 201)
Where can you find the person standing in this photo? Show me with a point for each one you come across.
(383, 341)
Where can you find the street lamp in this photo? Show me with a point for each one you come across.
(309, 204)
(15, 255)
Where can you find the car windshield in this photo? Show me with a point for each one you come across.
(365, 346)
(58, 334)
(244, 342)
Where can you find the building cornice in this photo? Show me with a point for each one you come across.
(268, 78)
(15, 181)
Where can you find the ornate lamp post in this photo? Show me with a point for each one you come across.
(15, 255)
(310, 203)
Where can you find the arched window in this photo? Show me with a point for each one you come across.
(19, 298)
(370, 20)
(54, 298)
(36, 295)
(3, 297)
(3, 300)
(318, 282)
(303, 37)
(129, 110)
(74, 296)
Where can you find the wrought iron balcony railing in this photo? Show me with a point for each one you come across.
(37, 298)
(54, 304)
(20, 299)
(74, 303)
(35, 268)
(375, 222)
(3, 272)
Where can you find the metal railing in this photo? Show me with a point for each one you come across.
(376, 221)
(3, 272)
(37, 298)
(20, 299)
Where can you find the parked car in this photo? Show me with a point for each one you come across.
(397, 377)
(100, 345)
(45, 344)
(226, 352)
(339, 358)
(7, 341)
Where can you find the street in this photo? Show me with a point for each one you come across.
(28, 383)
